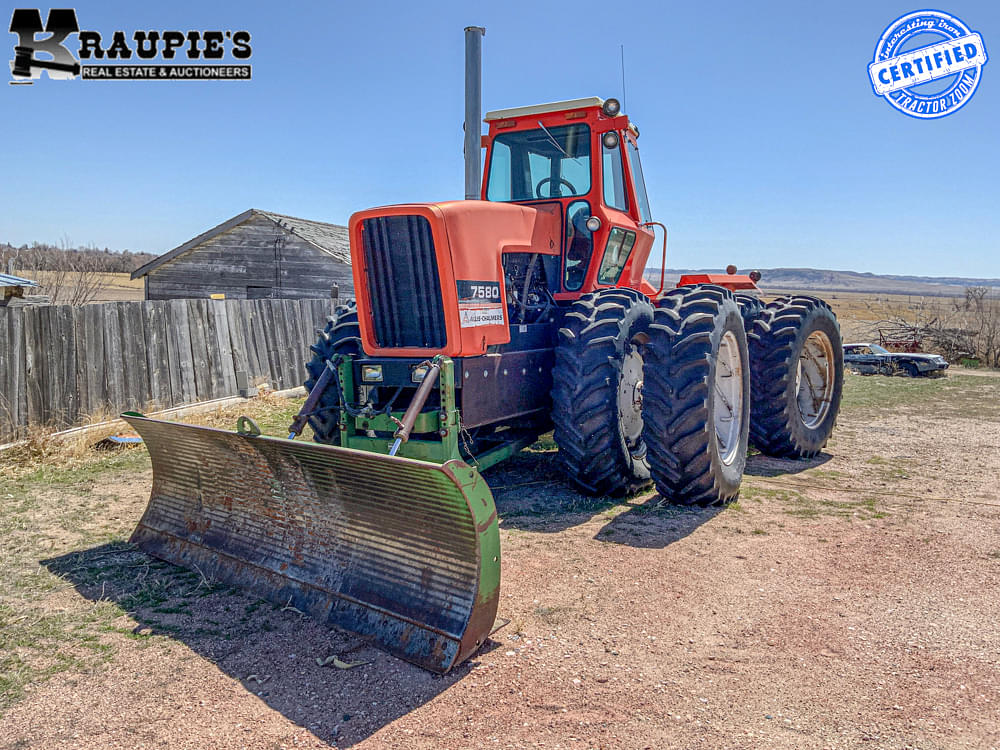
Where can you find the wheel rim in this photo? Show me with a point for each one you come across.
(728, 397)
(630, 402)
(814, 379)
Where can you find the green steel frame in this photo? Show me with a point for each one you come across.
(446, 422)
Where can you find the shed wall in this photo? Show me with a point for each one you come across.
(259, 254)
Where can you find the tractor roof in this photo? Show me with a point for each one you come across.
(539, 109)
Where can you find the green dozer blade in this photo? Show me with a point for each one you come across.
(403, 551)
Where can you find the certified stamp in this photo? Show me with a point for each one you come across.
(928, 64)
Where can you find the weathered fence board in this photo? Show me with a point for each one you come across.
(62, 365)
(237, 339)
(69, 393)
(91, 340)
(197, 317)
(114, 375)
(134, 342)
(17, 394)
(35, 354)
(157, 358)
(8, 393)
(181, 361)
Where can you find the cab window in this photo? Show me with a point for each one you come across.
(614, 179)
(640, 184)
(616, 252)
(549, 162)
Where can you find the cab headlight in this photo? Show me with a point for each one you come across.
(418, 373)
(371, 373)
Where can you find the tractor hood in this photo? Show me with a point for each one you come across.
(429, 276)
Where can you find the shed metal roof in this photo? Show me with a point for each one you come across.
(329, 238)
(8, 280)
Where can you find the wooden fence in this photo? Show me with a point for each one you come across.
(62, 365)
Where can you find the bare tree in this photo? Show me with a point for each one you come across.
(968, 327)
(67, 275)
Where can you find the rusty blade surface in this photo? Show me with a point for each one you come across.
(404, 551)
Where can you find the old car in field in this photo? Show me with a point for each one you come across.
(872, 359)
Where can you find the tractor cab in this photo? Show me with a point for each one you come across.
(579, 156)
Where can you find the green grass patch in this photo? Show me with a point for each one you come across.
(544, 444)
(955, 395)
(800, 505)
(825, 474)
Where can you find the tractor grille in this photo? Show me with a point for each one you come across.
(403, 282)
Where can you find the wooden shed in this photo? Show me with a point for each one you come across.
(12, 291)
(256, 255)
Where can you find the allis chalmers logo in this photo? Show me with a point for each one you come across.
(61, 64)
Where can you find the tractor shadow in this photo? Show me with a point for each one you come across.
(271, 650)
(759, 465)
(655, 523)
(532, 493)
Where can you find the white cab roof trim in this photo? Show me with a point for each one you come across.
(539, 109)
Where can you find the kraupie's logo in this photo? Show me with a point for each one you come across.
(199, 48)
(928, 64)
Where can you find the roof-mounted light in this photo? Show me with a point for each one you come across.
(611, 107)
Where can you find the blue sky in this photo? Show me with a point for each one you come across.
(762, 142)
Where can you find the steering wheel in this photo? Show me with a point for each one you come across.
(559, 180)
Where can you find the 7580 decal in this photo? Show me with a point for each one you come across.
(478, 291)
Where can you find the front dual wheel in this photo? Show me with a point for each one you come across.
(597, 393)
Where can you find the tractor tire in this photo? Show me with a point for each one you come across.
(696, 400)
(796, 377)
(341, 335)
(596, 391)
(751, 308)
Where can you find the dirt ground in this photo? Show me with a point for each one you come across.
(848, 601)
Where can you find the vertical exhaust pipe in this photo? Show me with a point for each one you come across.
(473, 109)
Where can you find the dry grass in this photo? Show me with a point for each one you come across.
(42, 450)
(58, 496)
(858, 312)
(112, 287)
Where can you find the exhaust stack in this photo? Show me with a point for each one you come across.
(473, 109)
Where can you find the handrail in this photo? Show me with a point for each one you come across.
(663, 260)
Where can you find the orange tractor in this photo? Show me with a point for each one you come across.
(480, 325)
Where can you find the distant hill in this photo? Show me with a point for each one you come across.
(845, 281)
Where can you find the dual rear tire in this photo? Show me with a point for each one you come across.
(797, 377)
(675, 393)
(697, 406)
